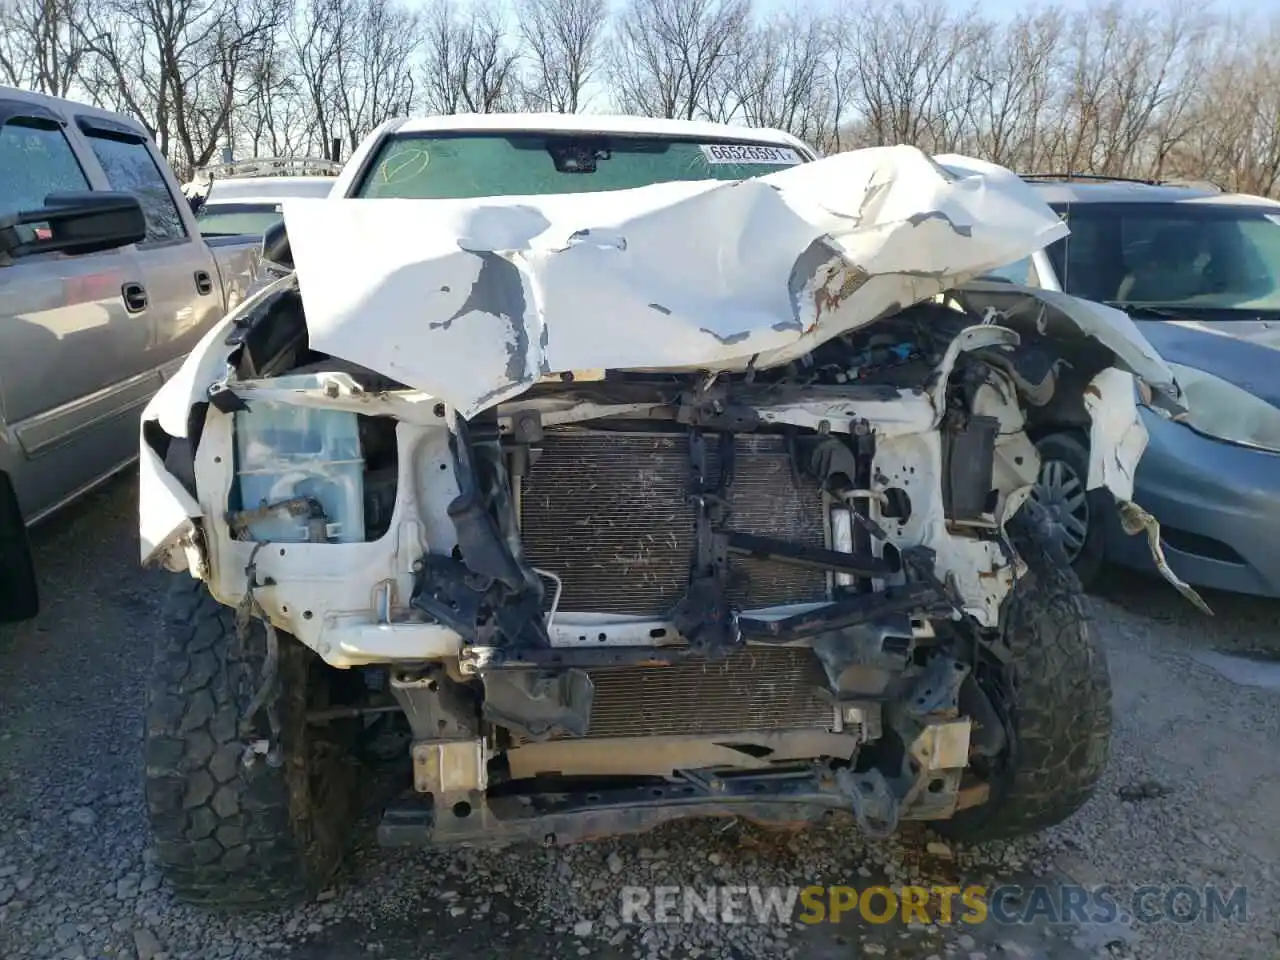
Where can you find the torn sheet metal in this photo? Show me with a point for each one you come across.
(473, 301)
(1062, 317)
(1117, 441)
(166, 509)
(1117, 436)
(1135, 520)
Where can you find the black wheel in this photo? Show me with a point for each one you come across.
(19, 592)
(1053, 696)
(230, 833)
(1076, 512)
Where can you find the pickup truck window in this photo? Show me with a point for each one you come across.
(222, 219)
(130, 167)
(440, 166)
(35, 161)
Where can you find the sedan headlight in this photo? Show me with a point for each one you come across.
(1224, 411)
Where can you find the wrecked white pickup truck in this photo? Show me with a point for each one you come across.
(630, 471)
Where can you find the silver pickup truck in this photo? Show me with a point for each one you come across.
(105, 285)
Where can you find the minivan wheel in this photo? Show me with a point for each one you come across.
(1075, 513)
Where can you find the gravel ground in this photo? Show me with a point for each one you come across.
(1189, 799)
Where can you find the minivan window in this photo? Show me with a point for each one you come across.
(1174, 255)
(441, 166)
(131, 168)
(1022, 272)
(35, 161)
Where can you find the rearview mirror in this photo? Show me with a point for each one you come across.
(74, 223)
(275, 247)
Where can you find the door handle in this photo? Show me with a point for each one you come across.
(135, 297)
(204, 283)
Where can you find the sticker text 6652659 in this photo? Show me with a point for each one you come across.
(749, 153)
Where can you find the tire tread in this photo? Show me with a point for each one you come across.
(228, 835)
(1060, 707)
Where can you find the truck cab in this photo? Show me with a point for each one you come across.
(87, 336)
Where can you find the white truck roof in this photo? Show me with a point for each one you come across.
(593, 123)
(267, 189)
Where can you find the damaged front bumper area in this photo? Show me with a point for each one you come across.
(607, 588)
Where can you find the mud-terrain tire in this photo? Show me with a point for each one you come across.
(229, 835)
(1055, 697)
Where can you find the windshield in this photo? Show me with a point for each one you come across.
(1173, 255)
(228, 218)
(452, 166)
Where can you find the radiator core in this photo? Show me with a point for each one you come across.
(610, 514)
(756, 689)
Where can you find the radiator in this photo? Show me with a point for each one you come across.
(609, 513)
(757, 689)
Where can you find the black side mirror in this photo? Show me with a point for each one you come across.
(74, 223)
(275, 246)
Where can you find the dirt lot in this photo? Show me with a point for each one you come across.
(1190, 801)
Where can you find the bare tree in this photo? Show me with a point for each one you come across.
(470, 65)
(488, 81)
(1179, 55)
(1108, 88)
(780, 79)
(563, 40)
(375, 70)
(446, 47)
(668, 53)
(841, 75)
(178, 65)
(910, 82)
(274, 116)
(1234, 135)
(1117, 75)
(1015, 71)
(316, 34)
(39, 46)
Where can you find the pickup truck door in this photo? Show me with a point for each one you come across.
(67, 339)
(183, 291)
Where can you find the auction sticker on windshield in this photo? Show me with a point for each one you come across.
(749, 153)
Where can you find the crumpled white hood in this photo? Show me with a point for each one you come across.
(473, 301)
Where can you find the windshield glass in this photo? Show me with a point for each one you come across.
(1173, 255)
(452, 166)
(226, 218)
